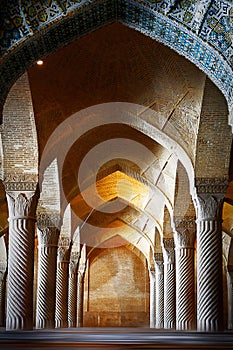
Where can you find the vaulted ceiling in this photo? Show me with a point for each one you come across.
(116, 64)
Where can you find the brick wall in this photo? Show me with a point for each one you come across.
(117, 293)
(19, 131)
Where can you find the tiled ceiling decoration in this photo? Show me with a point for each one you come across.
(200, 30)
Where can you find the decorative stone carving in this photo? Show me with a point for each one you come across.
(22, 208)
(21, 205)
(49, 219)
(211, 185)
(185, 238)
(209, 253)
(21, 182)
(185, 222)
(209, 207)
(169, 252)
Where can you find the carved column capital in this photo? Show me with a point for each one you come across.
(209, 197)
(209, 207)
(73, 267)
(168, 249)
(48, 224)
(158, 257)
(48, 219)
(159, 264)
(63, 255)
(22, 205)
(185, 222)
(152, 272)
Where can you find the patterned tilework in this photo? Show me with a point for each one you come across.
(191, 13)
(13, 26)
(201, 30)
(181, 40)
(218, 28)
(93, 16)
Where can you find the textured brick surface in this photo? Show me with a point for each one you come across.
(118, 290)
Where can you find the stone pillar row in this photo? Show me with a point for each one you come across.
(173, 297)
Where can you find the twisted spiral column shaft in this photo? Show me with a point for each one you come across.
(169, 295)
(72, 296)
(152, 297)
(80, 283)
(209, 263)
(185, 296)
(21, 260)
(61, 311)
(169, 284)
(46, 290)
(159, 292)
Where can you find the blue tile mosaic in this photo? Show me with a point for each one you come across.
(200, 30)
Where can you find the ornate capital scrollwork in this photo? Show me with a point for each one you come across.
(73, 267)
(48, 236)
(158, 257)
(75, 256)
(48, 219)
(63, 254)
(209, 206)
(169, 245)
(64, 241)
(185, 222)
(159, 265)
(22, 205)
(185, 238)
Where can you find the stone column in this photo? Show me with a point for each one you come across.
(208, 203)
(72, 292)
(80, 282)
(152, 297)
(3, 267)
(169, 283)
(61, 311)
(48, 234)
(159, 291)
(22, 211)
(185, 278)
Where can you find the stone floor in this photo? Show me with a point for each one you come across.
(113, 338)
